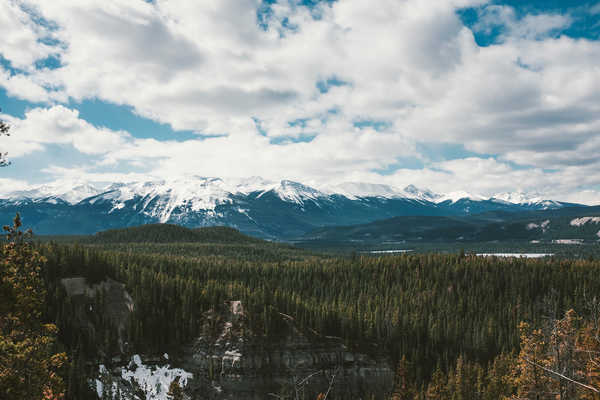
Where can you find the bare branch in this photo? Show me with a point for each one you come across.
(307, 378)
(593, 389)
(331, 382)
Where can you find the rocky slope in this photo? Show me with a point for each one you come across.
(227, 360)
(236, 364)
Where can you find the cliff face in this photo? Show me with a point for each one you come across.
(113, 302)
(230, 362)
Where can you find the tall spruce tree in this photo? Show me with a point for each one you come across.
(28, 366)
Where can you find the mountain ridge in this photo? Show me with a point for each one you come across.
(78, 190)
(258, 207)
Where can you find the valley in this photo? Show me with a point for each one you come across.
(243, 318)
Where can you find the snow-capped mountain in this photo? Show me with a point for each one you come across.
(69, 191)
(421, 194)
(254, 205)
(354, 190)
(454, 197)
(296, 192)
(518, 197)
(526, 199)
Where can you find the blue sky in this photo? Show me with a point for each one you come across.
(474, 95)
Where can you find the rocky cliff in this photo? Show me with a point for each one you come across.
(230, 361)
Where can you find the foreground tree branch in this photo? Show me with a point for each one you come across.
(593, 389)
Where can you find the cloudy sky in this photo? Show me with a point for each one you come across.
(474, 95)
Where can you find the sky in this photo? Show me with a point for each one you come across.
(474, 95)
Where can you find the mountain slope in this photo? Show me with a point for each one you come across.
(275, 210)
(168, 233)
(566, 225)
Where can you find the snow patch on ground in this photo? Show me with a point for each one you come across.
(153, 380)
(388, 251)
(568, 241)
(517, 255)
(543, 225)
(584, 220)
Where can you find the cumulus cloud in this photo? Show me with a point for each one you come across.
(22, 37)
(399, 74)
(59, 125)
(11, 185)
(536, 26)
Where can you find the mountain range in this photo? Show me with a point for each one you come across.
(275, 210)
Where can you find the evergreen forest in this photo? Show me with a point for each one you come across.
(454, 326)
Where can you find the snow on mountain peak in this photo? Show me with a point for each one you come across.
(420, 194)
(517, 197)
(69, 191)
(526, 198)
(297, 192)
(162, 197)
(453, 197)
(353, 190)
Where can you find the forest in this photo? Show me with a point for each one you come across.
(455, 326)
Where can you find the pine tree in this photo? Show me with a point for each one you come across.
(3, 132)
(529, 377)
(28, 367)
(402, 387)
(436, 390)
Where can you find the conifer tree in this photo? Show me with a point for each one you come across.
(403, 390)
(4, 128)
(529, 377)
(436, 390)
(28, 367)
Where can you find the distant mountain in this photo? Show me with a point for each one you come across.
(569, 225)
(255, 206)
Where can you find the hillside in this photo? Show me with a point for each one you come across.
(220, 318)
(568, 225)
(169, 233)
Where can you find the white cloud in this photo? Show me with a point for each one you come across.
(59, 125)
(11, 185)
(208, 66)
(590, 197)
(531, 26)
(21, 37)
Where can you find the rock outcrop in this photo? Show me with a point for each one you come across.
(229, 361)
(104, 302)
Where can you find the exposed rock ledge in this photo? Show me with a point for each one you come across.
(235, 364)
(229, 361)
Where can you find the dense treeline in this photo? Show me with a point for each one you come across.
(560, 360)
(249, 252)
(431, 308)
